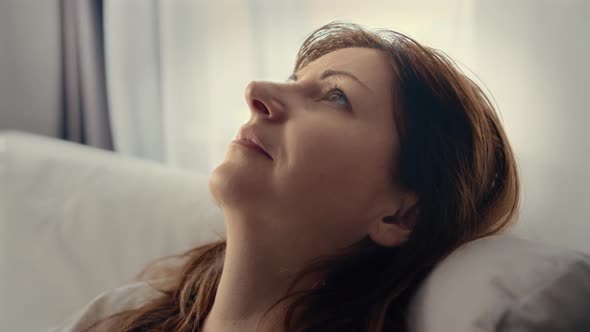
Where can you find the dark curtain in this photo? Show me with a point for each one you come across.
(85, 111)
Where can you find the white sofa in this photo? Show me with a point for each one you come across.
(76, 221)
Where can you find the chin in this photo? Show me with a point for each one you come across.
(233, 185)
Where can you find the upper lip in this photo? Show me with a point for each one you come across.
(249, 134)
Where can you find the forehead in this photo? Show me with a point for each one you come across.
(371, 66)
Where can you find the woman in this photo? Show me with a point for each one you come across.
(352, 179)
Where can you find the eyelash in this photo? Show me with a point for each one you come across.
(334, 87)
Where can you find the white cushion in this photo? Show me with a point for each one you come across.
(505, 283)
(76, 221)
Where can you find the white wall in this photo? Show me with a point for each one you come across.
(533, 56)
(30, 67)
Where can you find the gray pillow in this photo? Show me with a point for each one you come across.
(505, 283)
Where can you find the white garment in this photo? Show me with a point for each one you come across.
(130, 296)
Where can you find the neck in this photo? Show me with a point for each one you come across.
(256, 273)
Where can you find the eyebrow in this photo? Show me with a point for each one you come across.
(330, 72)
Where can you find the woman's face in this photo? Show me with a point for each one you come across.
(332, 153)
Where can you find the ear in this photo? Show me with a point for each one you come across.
(394, 228)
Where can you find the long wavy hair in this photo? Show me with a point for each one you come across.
(454, 155)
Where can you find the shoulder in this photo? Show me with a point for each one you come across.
(107, 303)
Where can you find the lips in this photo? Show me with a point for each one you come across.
(248, 137)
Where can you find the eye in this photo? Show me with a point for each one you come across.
(335, 94)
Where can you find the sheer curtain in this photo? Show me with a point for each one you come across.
(177, 70)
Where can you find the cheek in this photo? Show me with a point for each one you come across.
(340, 149)
(336, 169)
(333, 154)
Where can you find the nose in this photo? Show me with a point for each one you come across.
(264, 100)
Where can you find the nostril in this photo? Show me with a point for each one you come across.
(260, 106)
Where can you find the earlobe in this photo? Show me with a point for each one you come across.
(389, 234)
(389, 231)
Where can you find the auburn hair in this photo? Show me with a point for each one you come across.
(454, 155)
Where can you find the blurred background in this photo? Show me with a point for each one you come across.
(164, 80)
